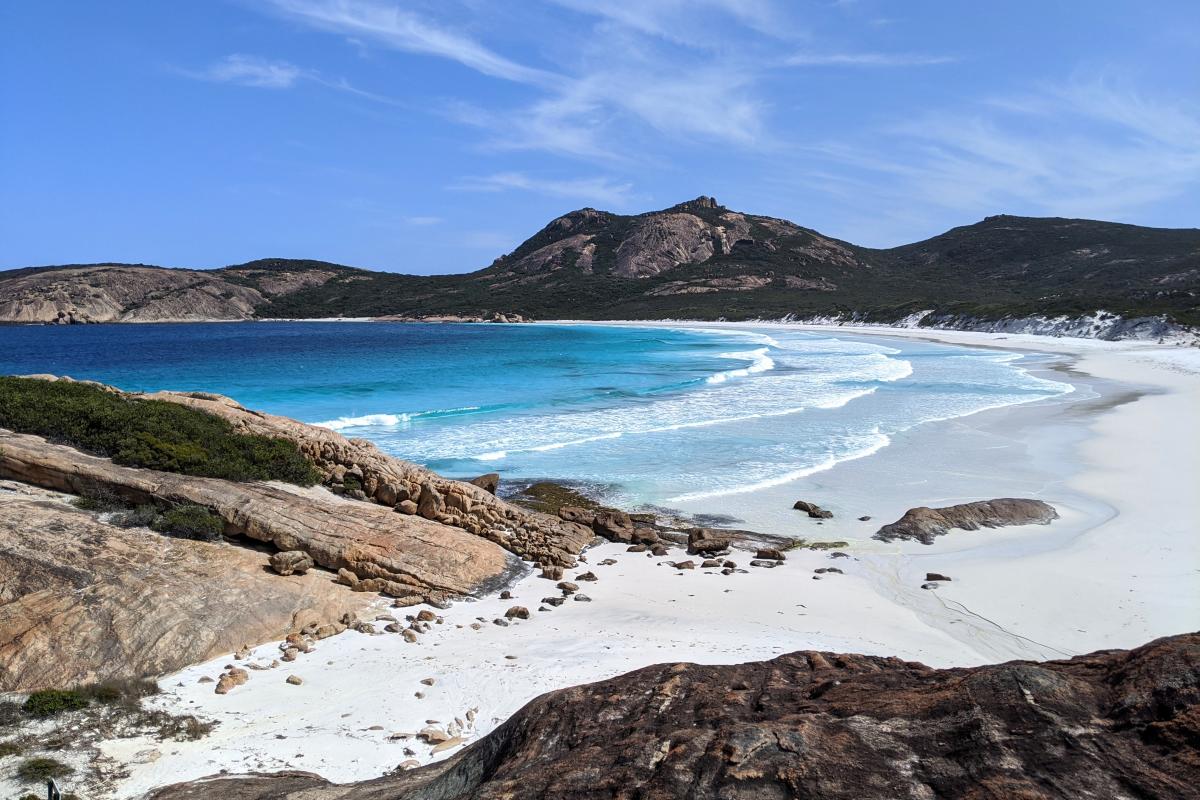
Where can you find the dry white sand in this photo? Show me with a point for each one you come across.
(1120, 461)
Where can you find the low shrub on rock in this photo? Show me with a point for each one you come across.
(190, 522)
(52, 702)
(154, 434)
(42, 768)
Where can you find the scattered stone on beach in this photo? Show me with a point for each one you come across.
(636, 548)
(489, 482)
(409, 635)
(475, 626)
(517, 612)
(230, 679)
(658, 550)
(729, 564)
(205, 679)
(772, 553)
(608, 562)
(409, 763)
(553, 601)
(587, 576)
(825, 570)
(432, 734)
(450, 743)
(552, 573)
(704, 541)
(393, 627)
(710, 563)
(763, 563)
(582, 598)
(936, 576)
(503, 623)
(567, 587)
(425, 615)
(812, 509)
(294, 680)
(645, 536)
(929, 586)
(839, 554)
(864, 518)
(923, 524)
(365, 627)
(684, 565)
(428, 681)
(291, 562)
(506, 595)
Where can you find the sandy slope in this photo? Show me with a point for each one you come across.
(1119, 459)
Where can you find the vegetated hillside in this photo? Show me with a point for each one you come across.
(701, 260)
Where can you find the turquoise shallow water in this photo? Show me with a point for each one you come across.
(644, 415)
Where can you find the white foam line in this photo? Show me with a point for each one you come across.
(759, 362)
(386, 420)
(881, 441)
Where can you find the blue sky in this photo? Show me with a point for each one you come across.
(434, 136)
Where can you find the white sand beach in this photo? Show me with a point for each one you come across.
(1118, 459)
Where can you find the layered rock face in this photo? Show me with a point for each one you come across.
(124, 293)
(820, 726)
(83, 601)
(401, 555)
(923, 524)
(408, 488)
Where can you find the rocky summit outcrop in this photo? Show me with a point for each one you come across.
(84, 601)
(402, 555)
(923, 524)
(821, 726)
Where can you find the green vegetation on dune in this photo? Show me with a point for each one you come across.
(152, 434)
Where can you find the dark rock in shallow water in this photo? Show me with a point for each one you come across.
(923, 524)
(823, 726)
(936, 576)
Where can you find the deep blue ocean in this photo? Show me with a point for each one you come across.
(643, 415)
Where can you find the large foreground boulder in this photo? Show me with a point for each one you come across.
(822, 726)
(83, 601)
(923, 524)
(397, 554)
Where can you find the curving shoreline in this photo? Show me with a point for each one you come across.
(1016, 592)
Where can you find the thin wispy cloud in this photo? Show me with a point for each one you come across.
(253, 71)
(603, 192)
(398, 28)
(423, 221)
(866, 60)
(1080, 149)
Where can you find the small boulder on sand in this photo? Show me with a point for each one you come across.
(812, 509)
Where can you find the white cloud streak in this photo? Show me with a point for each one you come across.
(251, 71)
(398, 28)
(866, 60)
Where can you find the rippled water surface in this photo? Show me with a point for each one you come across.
(648, 415)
